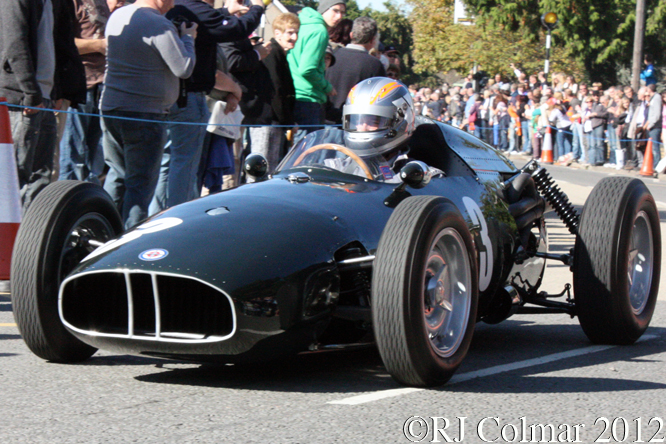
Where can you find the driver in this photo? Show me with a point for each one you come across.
(378, 123)
(378, 118)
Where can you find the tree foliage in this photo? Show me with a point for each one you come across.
(440, 45)
(353, 10)
(597, 33)
(396, 30)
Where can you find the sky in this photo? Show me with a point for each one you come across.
(376, 4)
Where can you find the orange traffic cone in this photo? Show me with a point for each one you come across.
(648, 161)
(10, 203)
(547, 148)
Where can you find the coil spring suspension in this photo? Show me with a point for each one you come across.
(557, 199)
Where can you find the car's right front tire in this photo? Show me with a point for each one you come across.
(50, 243)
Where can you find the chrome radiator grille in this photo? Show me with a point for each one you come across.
(146, 306)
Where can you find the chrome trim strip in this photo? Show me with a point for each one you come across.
(130, 305)
(156, 297)
(182, 335)
(172, 340)
(356, 260)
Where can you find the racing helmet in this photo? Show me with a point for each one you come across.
(378, 116)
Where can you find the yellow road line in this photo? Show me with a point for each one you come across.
(7, 325)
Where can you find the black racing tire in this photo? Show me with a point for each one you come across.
(617, 261)
(46, 251)
(424, 291)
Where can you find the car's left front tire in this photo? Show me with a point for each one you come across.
(617, 261)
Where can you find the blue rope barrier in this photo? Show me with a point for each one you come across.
(106, 116)
(588, 136)
(604, 138)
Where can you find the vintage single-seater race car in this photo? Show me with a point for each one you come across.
(334, 250)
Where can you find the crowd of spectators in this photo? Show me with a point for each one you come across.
(156, 71)
(589, 124)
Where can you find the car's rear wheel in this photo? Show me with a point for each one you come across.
(617, 261)
(424, 291)
(52, 239)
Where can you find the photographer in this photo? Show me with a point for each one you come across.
(183, 151)
(145, 59)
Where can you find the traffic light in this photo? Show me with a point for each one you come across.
(549, 20)
(482, 78)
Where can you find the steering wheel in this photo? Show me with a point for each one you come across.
(342, 149)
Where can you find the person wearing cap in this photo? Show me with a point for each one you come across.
(306, 63)
(393, 55)
(380, 54)
(354, 64)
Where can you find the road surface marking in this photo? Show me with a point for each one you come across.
(361, 399)
(7, 325)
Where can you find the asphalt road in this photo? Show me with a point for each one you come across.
(540, 368)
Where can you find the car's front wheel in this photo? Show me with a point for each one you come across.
(424, 291)
(53, 238)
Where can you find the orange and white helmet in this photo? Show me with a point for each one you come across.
(378, 116)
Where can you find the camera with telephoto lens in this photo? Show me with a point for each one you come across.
(179, 20)
(182, 92)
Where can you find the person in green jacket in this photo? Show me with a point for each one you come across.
(306, 63)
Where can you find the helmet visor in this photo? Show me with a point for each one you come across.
(363, 123)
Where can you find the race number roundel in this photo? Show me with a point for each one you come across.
(154, 254)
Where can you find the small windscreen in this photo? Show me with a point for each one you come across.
(325, 150)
